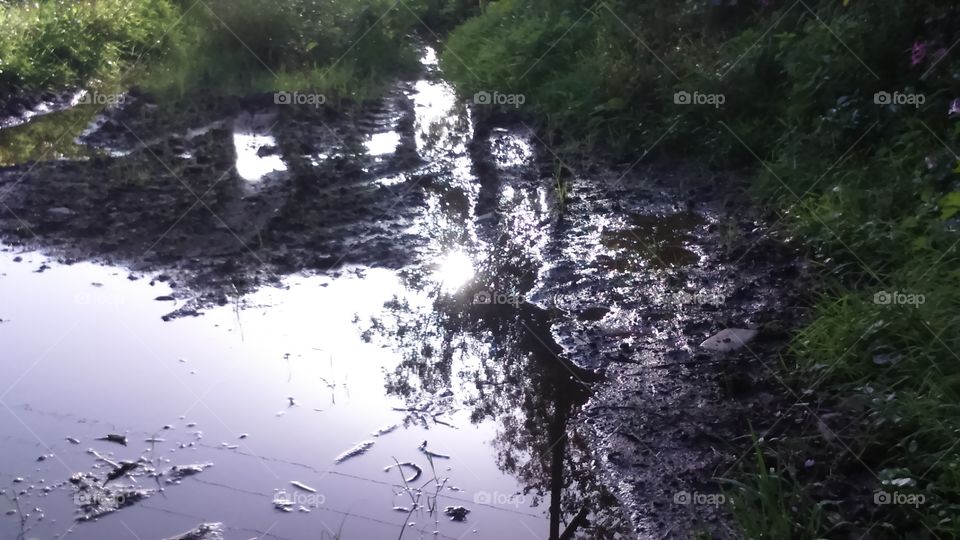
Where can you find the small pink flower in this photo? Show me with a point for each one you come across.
(918, 53)
(954, 108)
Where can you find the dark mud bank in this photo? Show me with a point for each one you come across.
(652, 263)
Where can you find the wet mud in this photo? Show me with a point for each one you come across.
(573, 320)
(665, 261)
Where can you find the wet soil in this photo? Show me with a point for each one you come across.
(678, 261)
(587, 313)
(22, 108)
(180, 204)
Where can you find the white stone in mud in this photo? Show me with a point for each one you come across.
(60, 213)
(729, 340)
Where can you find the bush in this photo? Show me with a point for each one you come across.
(52, 44)
(233, 46)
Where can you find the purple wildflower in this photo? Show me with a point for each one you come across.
(954, 108)
(918, 53)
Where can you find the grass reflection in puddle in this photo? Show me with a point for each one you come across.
(48, 137)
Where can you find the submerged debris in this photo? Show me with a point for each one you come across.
(178, 472)
(357, 450)
(423, 448)
(124, 468)
(204, 531)
(384, 430)
(301, 485)
(456, 513)
(417, 471)
(94, 500)
(283, 502)
(101, 457)
(114, 438)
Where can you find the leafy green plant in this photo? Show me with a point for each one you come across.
(768, 504)
(52, 44)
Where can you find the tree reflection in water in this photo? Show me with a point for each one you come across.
(504, 364)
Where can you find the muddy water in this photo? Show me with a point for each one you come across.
(87, 355)
(290, 407)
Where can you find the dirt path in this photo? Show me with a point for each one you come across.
(597, 302)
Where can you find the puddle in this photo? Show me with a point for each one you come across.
(418, 392)
(257, 153)
(290, 371)
(54, 104)
(652, 241)
(381, 144)
(48, 137)
(441, 119)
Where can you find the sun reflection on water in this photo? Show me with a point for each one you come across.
(455, 270)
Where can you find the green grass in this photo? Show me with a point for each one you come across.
(236, 47)
(180, 48)
(772, 505)
(51, 44)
